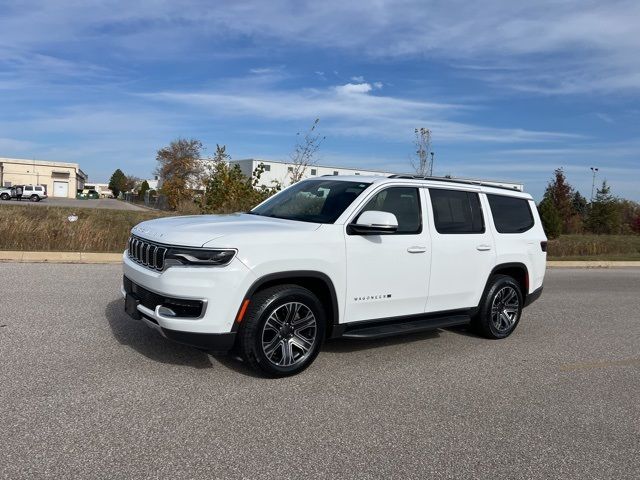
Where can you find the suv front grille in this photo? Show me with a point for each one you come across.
(146, 253)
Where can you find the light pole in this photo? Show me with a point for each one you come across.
(594, 170)
(431, 169)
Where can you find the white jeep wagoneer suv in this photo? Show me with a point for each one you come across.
(348, 256)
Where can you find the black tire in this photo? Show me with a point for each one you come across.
(34, 198)
(273, 307)
(5, 196)
(500, 308)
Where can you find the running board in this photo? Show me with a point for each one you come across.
(372, 331)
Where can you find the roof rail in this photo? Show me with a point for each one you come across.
(454, 180)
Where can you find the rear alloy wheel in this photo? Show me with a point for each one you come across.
(34, 198)
(5, 196)
(282, 331)
(500, 309)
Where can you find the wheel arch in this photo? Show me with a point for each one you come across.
(516, 270)
(317, 282)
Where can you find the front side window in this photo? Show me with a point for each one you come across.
(510, 214)
(456, 211)
(317, 201)
(404, 203)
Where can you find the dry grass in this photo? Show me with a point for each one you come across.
(98, 230)
(595, 247)
(27, 228)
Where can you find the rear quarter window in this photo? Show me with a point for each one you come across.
(510, 214)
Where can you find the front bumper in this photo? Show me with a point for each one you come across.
(221, 290)
(216, 343)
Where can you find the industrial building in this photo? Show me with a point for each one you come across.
(276, 171)
(59, 179)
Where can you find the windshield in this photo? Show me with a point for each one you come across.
(317, 201)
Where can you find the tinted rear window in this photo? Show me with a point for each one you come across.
(455, 211)
(510, 215)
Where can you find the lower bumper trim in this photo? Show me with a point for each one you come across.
(532, 297)
(218, 343)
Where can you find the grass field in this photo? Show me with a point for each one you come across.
(26, 228)
(595, 247)
(48, 229)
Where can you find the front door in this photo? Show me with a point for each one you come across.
(388, 275)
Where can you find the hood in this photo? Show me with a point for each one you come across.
(196, 230)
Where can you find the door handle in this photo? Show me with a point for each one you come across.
(483, 248)
(417, 249)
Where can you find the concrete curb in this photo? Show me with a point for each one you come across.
(60, 257)
(111, 258)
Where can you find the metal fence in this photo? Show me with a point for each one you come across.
(149, 200)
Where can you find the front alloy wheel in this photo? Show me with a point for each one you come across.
(289, 334)
(282, 330)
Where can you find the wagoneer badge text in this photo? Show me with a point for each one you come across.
(372, 297)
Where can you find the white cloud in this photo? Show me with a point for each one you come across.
(354, 88)
(352, 109)
(358, 79)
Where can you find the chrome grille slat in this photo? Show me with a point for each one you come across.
(147, 254)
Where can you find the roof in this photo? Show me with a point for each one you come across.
(465, 184)
(27, 161)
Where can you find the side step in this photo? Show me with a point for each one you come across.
(375, 330)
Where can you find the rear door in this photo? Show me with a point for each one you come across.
(388, 275)
(463, 249)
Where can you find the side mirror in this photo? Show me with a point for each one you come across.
(374, 222)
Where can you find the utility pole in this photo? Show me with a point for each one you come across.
(594, 170)
(431, 166)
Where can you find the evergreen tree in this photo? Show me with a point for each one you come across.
(561, 196)
(144, 187)
(604, 214)
(551, 220)
(118, 182)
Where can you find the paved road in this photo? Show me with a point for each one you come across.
(108, 203)
(87, 393)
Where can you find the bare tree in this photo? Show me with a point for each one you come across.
(423, 163)
(304, 153)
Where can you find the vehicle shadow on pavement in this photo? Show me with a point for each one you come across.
(150, 343)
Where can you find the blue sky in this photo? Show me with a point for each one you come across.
(510, 90)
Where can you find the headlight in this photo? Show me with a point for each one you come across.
(198, 257)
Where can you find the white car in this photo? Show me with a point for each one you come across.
(348, 256)
(35, 193)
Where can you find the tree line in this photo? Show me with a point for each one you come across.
(563, 210)
(121, 183)
(193, 183)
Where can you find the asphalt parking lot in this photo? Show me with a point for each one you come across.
(85, 392)
(108, 203)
